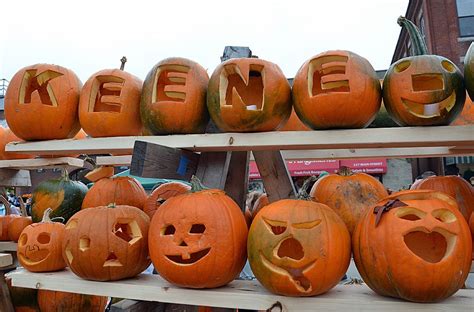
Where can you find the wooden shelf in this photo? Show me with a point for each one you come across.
(115, 161)
(7, 246)
(41, 163)
(5, 260)
(238, 294)
(454, 140)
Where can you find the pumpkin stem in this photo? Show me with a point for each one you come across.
(196, 185)
(46, 216)
(123, 60)
(22, 207)
(345, 171)
(303, 192)
(5, 203)
(418, 44)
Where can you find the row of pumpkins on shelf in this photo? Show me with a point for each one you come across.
(335, 89)
(414, 244)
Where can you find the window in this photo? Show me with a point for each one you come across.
(466, 17)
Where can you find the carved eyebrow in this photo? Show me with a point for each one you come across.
(307, 225)
(274, 222)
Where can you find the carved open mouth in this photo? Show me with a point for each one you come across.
(430, 110)
(189, 258)
(431, 246)
(34, 255)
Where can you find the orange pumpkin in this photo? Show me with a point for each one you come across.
(100, 173)
(17, 225)
(41, 103)
(58, 301)
(467, 115)
(419, 250)
(248, 95)
(110, 104)
(7, 136)
(294, 124)
(115, 190)
(39, 246)
(163, 192)
(6, 219)
(203, 232)
(349, 194)
(336, 89)
(174, 98)
(261, 202)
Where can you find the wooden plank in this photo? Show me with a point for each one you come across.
(238, 294)
(157, 161)
(449, 136)
(7, 246)
(213, 168)
(116, 161)
(128, 305)
(276, 178)
(5, 300)
(236, 184)
(13, 177)
(5, 260)
(42, 163)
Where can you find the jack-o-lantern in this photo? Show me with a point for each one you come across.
(413, 245)
(17, 225)
(174, 98)
(198, 239)
(298, 247)
(248, 95)
(110, 104)
(58, 301)
(336, 89)
(39, 246)
(7, 136)
(107, 243)
(41, 103)
(423, 90)
(469, 70)
(161, 194)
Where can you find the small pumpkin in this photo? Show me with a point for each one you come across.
(49, 91)
(261, 202)
(58, 301)
(248, 95)
(413, 245)
(163, 192)
(7, 136)
(23, 299)
(17, 225)
(423, 90)
(469, 70)
(336, 89)
(202, 231)
(349, 194)
(174, 98)
(294, 124)
(107, 243)
(297, 247)
(6, 219)
(39, 246)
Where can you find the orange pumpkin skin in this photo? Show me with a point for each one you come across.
(49, 91)
(58, 301)
(454, 186)
(420, 252)
(467, 115)
(16, 226)
(116, 190)
(336, 89)
(100, 173)
(294, 124)
(298, 247)
(257, 96)
(110, 104)
(107, 243)
(7, 136)
(161, 194)
(261, 202)
(4, 224)
(350, 195)
(174, 98)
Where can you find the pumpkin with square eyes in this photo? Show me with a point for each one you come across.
(423, 90)
(413, 245)
(201, 231)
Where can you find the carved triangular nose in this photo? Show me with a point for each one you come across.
(291, 248)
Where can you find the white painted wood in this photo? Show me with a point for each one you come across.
(13, 177)
(5, 260)
(116, 161)
(7, 246)
(42, 163)
(238, 294)
(472, 267)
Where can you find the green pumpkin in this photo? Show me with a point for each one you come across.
(469, 70)
(62, 195)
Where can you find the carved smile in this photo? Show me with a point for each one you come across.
(189, 258)
(430, 110)
(431, 246)
(34, 255)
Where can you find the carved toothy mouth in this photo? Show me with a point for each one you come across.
(189, 258)
(430, 110)
(431, 246)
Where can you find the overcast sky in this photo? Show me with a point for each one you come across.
(87, 36)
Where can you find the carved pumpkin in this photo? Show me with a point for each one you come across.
(17, 225)
(298, 247)
(39, 246)
(115, 190)
(58, 301)
(469, 70)
(7, 136)
(248, 95)
(107, 243)
(163, 192)
(294, 124)
(349, 194)
(110, 104)
(420, 250)
(6, 219)
(336, 89)
(202, 231)
(423, 90)
(41, 103)
(174, 97)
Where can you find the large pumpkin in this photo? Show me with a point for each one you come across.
(349, 194)
(248, 95)
(62, 195)
(6, 219)
(110, 104)
(107, 243)
(18, 224)
(174, 98)
(336, 89)
(298, 247)
(413, 245)
(58, 301)
(7, 136)
(423, 90)
(469, 70)
(198, 239)
(163, 192)
(41, 103)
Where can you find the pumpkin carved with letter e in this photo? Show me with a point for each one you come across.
(413, 245)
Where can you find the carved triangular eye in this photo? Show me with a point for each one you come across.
(277, 227)
(307, 225)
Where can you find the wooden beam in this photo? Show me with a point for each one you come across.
(6, 260)
(12, 177)
(213, 168)
(5, 300)
(116, 161)
(42, 163)
(236, 184)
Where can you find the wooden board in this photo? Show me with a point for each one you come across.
(213, 168)
(42, 163)
(238, 294)
(13, 177)
(7, 246)
(5, 260)
(116, 161)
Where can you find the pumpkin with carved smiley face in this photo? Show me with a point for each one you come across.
(414, 245)
(198, 239)
(423, 90)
